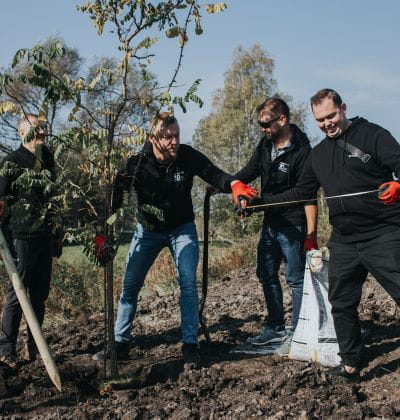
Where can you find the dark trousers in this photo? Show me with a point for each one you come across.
(348, 268)
(34, 263)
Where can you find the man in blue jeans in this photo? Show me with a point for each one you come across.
(162, 177)
(279, 159)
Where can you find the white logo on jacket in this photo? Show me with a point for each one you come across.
(179, 176)
(283, 167)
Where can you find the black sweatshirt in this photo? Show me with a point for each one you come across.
(29, 225)
(164, 191)
(278, 176)
(354, 218)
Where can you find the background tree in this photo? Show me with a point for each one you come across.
(230, 133)
(20, 93)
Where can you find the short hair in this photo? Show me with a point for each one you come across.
(165, 118)
(326, 93)
(276, 105)
(22, 123)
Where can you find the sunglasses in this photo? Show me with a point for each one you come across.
(267, 124)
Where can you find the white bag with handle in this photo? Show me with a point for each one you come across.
(315, 338)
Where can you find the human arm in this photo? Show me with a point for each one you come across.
(310, 242)
(387, 151)
(251, 170)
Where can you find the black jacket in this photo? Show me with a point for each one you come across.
(278, 176)
(164, 191)
(330, 166)
(27, 223)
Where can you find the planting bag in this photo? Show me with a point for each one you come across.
(314, 338)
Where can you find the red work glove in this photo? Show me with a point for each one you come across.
(100, 248)
(310, 243)
(240, 191)
(389, 192)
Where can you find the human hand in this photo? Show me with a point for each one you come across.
(57, 247)
(242, 191)
(310, 243)
(389, 192)
(212, 190)
(101, 251)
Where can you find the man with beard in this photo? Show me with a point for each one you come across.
(355, 156)
(31, 230)
(279, 159)
(162, 177)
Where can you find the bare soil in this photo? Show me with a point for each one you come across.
(157, 385)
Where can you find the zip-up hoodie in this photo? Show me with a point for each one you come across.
(361, 217)
(278, 176)
(164, 191)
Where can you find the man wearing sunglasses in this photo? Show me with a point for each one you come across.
(355, 156)
(288, 231)
(30, 228)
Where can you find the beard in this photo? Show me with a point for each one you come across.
(172, 153)
(276, 135)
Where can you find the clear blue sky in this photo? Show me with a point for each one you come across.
(351, 46)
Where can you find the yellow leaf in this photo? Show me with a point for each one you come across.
(216, 7)
(8, 107)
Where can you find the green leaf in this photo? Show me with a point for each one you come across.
(179, 100)
(19, 55)
(147, 42)
(173, 32)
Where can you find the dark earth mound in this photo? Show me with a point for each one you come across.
(155, 383)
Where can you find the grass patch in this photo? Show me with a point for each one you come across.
(77, 285)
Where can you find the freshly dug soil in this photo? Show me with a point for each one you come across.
(156, 384)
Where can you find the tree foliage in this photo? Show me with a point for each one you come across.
(230, 133)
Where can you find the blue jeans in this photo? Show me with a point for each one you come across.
(145, 246)
(275, 244)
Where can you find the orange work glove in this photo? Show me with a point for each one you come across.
(389, 192)
(240, 191)
(3, 210)
(310, 243)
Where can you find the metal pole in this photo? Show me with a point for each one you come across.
(204, 286)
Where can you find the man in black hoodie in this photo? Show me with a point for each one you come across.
(355, 156)
(279, 160)
(31, 230)
(162, 177)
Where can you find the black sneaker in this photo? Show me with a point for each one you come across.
(122, 348)
(340, 372)
(191, 353)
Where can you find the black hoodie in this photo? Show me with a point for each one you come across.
(31, 226)
(164, 191)
(354, 218)
(278, 176)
